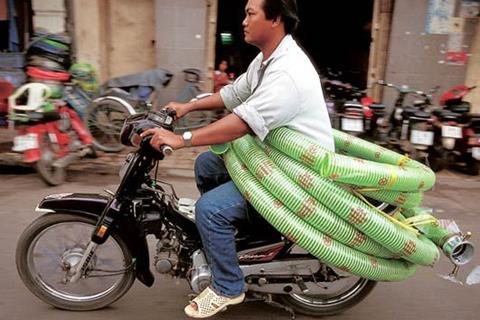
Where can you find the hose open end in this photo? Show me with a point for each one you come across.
(458, 249)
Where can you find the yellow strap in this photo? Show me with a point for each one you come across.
(403, 160)
(368, 189)
(421, 219)
(392, 219)
(393, 177)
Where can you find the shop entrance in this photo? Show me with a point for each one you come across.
(336, 35)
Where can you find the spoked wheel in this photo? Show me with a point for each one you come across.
(49, 249)
(104, 119)
(339, 296)
(51, 174)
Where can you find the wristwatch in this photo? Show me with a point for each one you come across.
(187, 138)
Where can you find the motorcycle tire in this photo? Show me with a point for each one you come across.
(52, 175)
(437, 158)
(51, 286)
(104, 120)
(324, 305)
(472, 166)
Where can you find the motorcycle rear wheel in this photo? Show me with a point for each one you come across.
(54, 243)
(329, 304)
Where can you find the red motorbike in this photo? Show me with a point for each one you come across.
(460, 129)
(49, 134)
(51, 141)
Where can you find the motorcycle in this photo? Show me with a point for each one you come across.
(349, 108)
(100, 244)
(459, 129)
(50, 140)
(411, 130)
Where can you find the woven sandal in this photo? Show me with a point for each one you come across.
(208, 303)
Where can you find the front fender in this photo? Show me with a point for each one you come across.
(92, 205)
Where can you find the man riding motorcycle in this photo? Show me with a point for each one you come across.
(280, 88)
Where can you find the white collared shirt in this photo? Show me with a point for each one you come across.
(289, 94)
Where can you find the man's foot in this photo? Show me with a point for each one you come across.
(208, 303)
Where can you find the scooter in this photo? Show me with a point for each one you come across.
(101, 248)
(50, 135)
(460, 129)
(410, 129)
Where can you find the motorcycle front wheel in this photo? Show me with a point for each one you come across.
(52, 175)
(53, 244)
(339, 296)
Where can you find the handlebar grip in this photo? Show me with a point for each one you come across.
(166, 150)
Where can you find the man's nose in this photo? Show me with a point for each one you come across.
(244, 22)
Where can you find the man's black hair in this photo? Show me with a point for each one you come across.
(285, 9)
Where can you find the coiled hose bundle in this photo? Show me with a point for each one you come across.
(316, 198)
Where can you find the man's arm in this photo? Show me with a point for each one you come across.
(209, 103)
(221, 131)
(224, 130)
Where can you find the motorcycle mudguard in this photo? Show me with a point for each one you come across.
(92, 205)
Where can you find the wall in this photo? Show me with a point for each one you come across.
(132, 36)
(181, 40)
(116, 37)
(473, 73)
(415, 57)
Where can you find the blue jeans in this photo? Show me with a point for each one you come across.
(217, 211)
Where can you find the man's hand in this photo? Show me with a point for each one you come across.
(161, 137)
(181, 109)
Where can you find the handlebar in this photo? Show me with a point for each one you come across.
(406, 89)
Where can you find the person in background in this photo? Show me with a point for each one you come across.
(280, 88)
(220, 76)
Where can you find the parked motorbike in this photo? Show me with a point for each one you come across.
(410, 128)
(100, 244)
(50, 139)
(459, 129)
(350, 109)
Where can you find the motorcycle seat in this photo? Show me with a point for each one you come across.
(449, 115)
(464, 107)
(377, 106)
(35, 117)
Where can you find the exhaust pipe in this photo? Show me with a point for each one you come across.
(458, 249)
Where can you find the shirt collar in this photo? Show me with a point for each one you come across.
(282, 46)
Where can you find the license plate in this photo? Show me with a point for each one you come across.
(25, 142)
(452, 132)
(476, 153)
(353, 125)
(421, 137)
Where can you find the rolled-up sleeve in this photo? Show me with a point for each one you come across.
(236, 93)
(274, 104)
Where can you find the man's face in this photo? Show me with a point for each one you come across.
(256, 27)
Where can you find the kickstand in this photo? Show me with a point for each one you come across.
(268, 300)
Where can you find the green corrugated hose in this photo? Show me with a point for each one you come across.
(315, 197)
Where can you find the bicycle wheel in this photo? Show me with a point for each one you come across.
(104, 120)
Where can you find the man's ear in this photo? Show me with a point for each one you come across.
(276, 21)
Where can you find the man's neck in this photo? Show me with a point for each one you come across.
(270, 47)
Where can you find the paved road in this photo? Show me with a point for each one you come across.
(425, 296)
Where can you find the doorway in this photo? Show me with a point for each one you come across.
(335, 34)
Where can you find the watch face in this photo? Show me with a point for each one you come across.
(187, 135)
